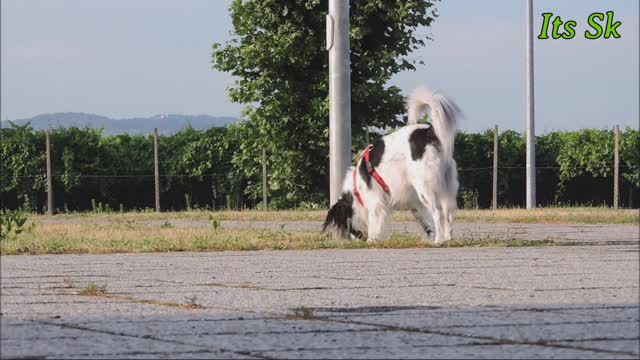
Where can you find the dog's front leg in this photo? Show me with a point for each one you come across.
(378, 216)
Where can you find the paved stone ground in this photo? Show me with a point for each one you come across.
(536, 302)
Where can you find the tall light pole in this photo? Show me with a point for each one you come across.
(339, 95)
(531, 131)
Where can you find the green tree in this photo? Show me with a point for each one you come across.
(586, 152)
(22, 164)
(277, 54)
(75, 152)
(630, 156)
(474, 157)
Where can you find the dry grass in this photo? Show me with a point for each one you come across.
(119, 237)
(560, 215)
(92, 289)
(131, 232)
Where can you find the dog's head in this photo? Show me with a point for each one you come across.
(340, 219)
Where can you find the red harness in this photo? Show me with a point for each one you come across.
(371, 170)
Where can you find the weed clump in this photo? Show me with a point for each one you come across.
(92, 289)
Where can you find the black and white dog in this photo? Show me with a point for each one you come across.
(410, 169)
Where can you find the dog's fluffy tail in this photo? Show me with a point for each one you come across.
(444, 115)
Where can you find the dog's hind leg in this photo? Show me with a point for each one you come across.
(431, 203)
(431, 208)
(438, 218)
(449, 204)
(424, 218)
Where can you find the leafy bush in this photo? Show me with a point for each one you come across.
(13, 223)
(469, 199)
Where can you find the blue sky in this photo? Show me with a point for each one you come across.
(123, 58)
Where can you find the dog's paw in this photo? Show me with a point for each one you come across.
(439, 241)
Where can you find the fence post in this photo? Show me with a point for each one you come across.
(494, 197)
(264, 179)
(616, 170)
(49, 175)
(366, 135)
(156, 168)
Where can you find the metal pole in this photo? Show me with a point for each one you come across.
(494, 197)
(49, 175)
(366, 135)
(2, 179)
(531, 132)
(156, 168)
(264, 179)
(616, 169)
(339, 95)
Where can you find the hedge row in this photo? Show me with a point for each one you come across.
(200, 169)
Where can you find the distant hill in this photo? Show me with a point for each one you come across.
(166, 124)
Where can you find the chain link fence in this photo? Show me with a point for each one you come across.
(136, 192)
(476, 189)
(104, 191)
(129, 192)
